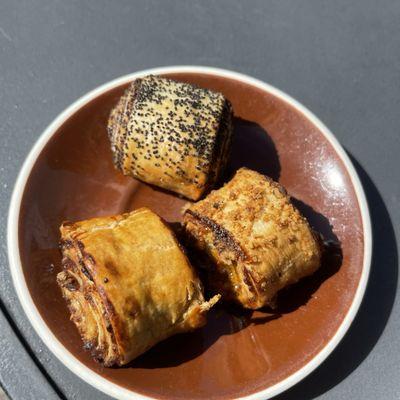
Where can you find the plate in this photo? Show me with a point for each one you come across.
(69, 175)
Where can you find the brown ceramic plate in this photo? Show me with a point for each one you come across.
(69, 175)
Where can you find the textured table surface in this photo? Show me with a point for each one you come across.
(339, 58)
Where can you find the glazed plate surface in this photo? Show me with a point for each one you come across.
(69, 175)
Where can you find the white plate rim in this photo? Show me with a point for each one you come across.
(44, 332)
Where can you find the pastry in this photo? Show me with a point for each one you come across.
(257, 240)
(171, 134)
(128, 284)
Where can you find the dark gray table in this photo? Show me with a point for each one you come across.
(339, 58)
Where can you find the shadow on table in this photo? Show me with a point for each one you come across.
(375, 308)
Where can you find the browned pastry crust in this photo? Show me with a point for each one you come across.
(171, 134)
(128, 284)
(258, 241)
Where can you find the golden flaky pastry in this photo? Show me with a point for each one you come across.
(171, 134)
(128, 284)
(258, 241)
